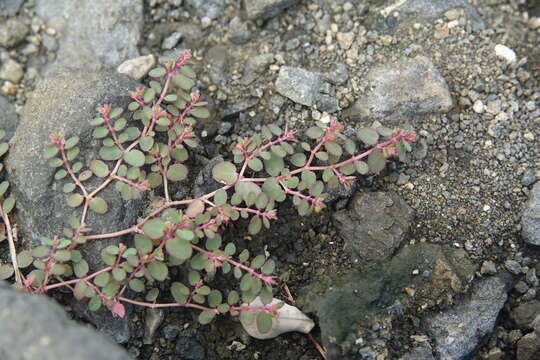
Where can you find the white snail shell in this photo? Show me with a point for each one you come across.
(288, 318)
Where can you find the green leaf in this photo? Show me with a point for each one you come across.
(116, 112)
(361, 167)
(152, 294)
(135, 158)
(186, 70)
(55, 162)
(185, 234)
(258, 261)
(180, 154)
(99, 168)
(158, 270)
(273, 190)
(80, 290)
(225, 173)
(149, 95)
(200, 112)
(3, 187)
(245, 283)
(24, 259)
(183, 81)
(247, 317)
(368, 136)
(99, 205)
(314, 132)
(230, 249)
(74, 200)
(274, 165)
(100, 132)
(269, 267)
(179, 292)
(233, 297)
(214, 298)
(384, 131)
(376, 161)
(71, 142)
(143, 244)
(136, 285)
(154, 228)
(244, 255)
(6, 271)
(299, 159)
(206, 316)
(119, 274)
(102, 279)
(220, 197)
(146, 142)
(255, 164)
(4, 147)
(333, 148)
(264, 322)
(69, 187)
(94, 304)
(157, 72)
(50, 152)
(179, 248)
(81, 268)
(110, 153)
(177, 172)
(255, 225)
(60, 174)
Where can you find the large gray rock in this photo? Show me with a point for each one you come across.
(12, 32)
(206, 8)
(10, 7)
(381, 17)
(459, 330)
(374, 225)
(33, 327)
(93, 34)
(306, 88)
(367, 294)
(9, 120)
(524, 314)
(265, 9)
(66, 103)
(530, 218)
(403, 89)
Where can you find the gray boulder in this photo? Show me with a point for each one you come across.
(93, 34)
(403, 89)
(32, 327)
(306, 88)
(374, 225)
(10, 7)
(530, 218)
(66, 103)
(265, 9)
(458, 331)
(9, 120)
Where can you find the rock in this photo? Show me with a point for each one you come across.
(418, 354)
(374, 225)
(206, 8)
(113, 327)
(152, 321)
(345, 40)
(368, 292)
(456, 332)
(189, 345)
(217, 58)
(265, 9)
(11, 70)
(138, 67)
(12, 32)
(9, 120)
(402, 90)
(170, 41)
(524, 314)
(239, 31)
(204, 182)
(255, 66)
(93, 34)
(34, 327)
(10, 7)
(528, 347)
(338, 74)
(505, 53)
(66, 103)
(530, 217)
(513, 266)
(306, 88)
(382, 19)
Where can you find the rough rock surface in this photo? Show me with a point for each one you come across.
(530, 219)
(33, 327)
(265, 9)
(9, 120)
(306, 88)
(10, 7)
(410, 11)
(93, 34)
(403, 89)
(458, 331)
(528, 347)
(66, 103)
(524, 314)
(374, 225)
(369, 292)
(12, 32)
(206, 8)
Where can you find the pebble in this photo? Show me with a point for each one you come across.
(170, 41)
(11, 70)
(138, 67)
(478, 106)
(488, 268)
(345, 40)
(513, 266)
(12, 32)
(504, 52)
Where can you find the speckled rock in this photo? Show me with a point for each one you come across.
(374, 225)
(10, 7)
(265, 9)
(12, 32)
(530, 218)
(476, 317)
(33, 327)
(524, 314)
(93, 34)
(9, 120)
(11, 70)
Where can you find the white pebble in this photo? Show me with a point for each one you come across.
(504, 52)
(478, 106)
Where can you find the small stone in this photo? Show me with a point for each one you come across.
(9, 88)
(345, 40)
(170, 41)
(534, 23)
(530, 218)
(171, 332)
(529, 295)
(488, 268)
(266, 9)
(12, 32)
(531, 277)
(11, 70)
(478, 106)
(504, 52)
(494, 354)
(452, 14)
(513, 266)
(528, 347)
(239, 31)
(524, 314)
(138, 67)
(521, 287)
(10, 7)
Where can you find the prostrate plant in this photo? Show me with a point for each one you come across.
(147, 149)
